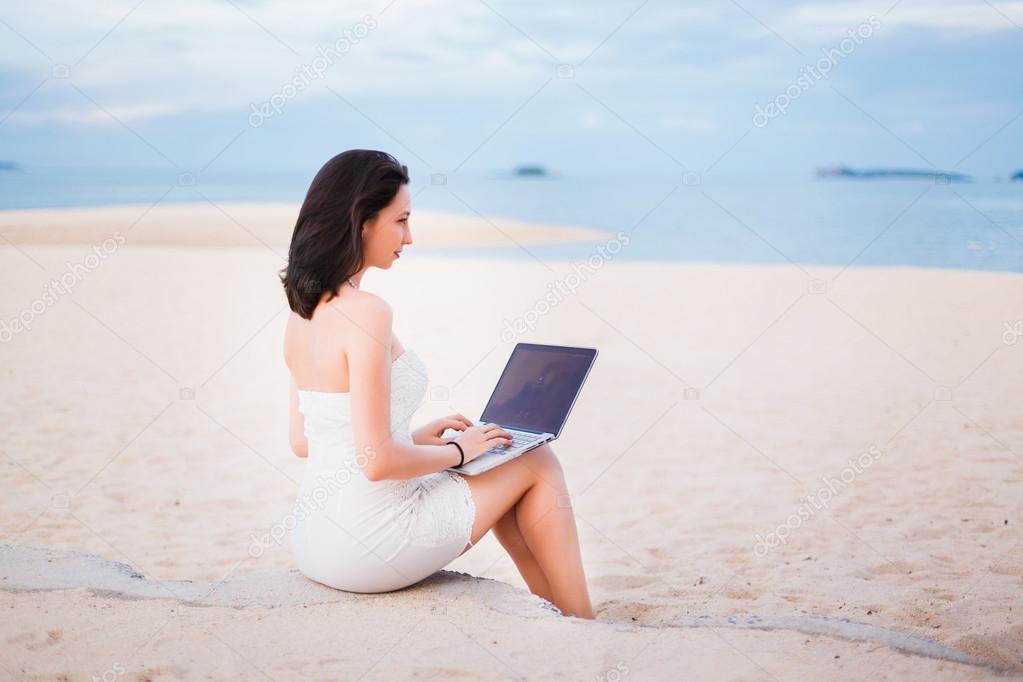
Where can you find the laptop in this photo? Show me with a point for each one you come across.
(531, 401)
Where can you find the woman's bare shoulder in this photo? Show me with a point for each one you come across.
(335, 318)
(358, 317)
(368, 303)
(360, 307)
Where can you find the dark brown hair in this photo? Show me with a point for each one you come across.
(326, 245)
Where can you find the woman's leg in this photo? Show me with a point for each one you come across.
(510, 536)
(533, 485)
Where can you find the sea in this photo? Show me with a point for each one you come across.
(764, 219)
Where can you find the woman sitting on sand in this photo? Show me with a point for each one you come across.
(377, 510)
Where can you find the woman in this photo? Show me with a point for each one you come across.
(377, 510)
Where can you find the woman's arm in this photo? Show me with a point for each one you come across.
(369, 370)
(296, 426)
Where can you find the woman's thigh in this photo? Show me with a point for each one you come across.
(496, 491)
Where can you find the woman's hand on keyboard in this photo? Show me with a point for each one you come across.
(478, 439)
(433, 433)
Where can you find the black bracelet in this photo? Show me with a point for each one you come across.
(461, 452)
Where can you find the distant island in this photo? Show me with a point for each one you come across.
(530, 171)
(8, 166)
(880, 173)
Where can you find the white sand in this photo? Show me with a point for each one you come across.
(107, 452)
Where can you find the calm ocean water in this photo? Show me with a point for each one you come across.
(975, 225)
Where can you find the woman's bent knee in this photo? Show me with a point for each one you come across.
(545, 465)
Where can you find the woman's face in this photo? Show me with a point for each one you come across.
(384, 236)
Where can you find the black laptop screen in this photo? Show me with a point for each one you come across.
(538, 387)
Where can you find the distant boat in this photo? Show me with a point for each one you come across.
(881, 173)
(530, 171)
(1018, 175)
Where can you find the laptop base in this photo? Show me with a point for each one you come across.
(489, 460)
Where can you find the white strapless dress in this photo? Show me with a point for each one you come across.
(359, 535)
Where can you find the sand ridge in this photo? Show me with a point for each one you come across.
(232, 224)
(30, 569)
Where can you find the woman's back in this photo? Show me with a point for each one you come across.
(315, 349)
(352, 533)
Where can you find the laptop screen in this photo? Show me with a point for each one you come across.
(538, 387)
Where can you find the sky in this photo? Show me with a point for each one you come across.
(474, 86)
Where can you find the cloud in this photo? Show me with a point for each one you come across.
(199, 56)
(833, 19)
(449, 67)
(145, 60)
(92, 115)
(591, 121)
(685, 124)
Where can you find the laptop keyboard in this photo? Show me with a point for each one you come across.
(520, 439)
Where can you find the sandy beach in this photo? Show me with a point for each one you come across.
(779, 472)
